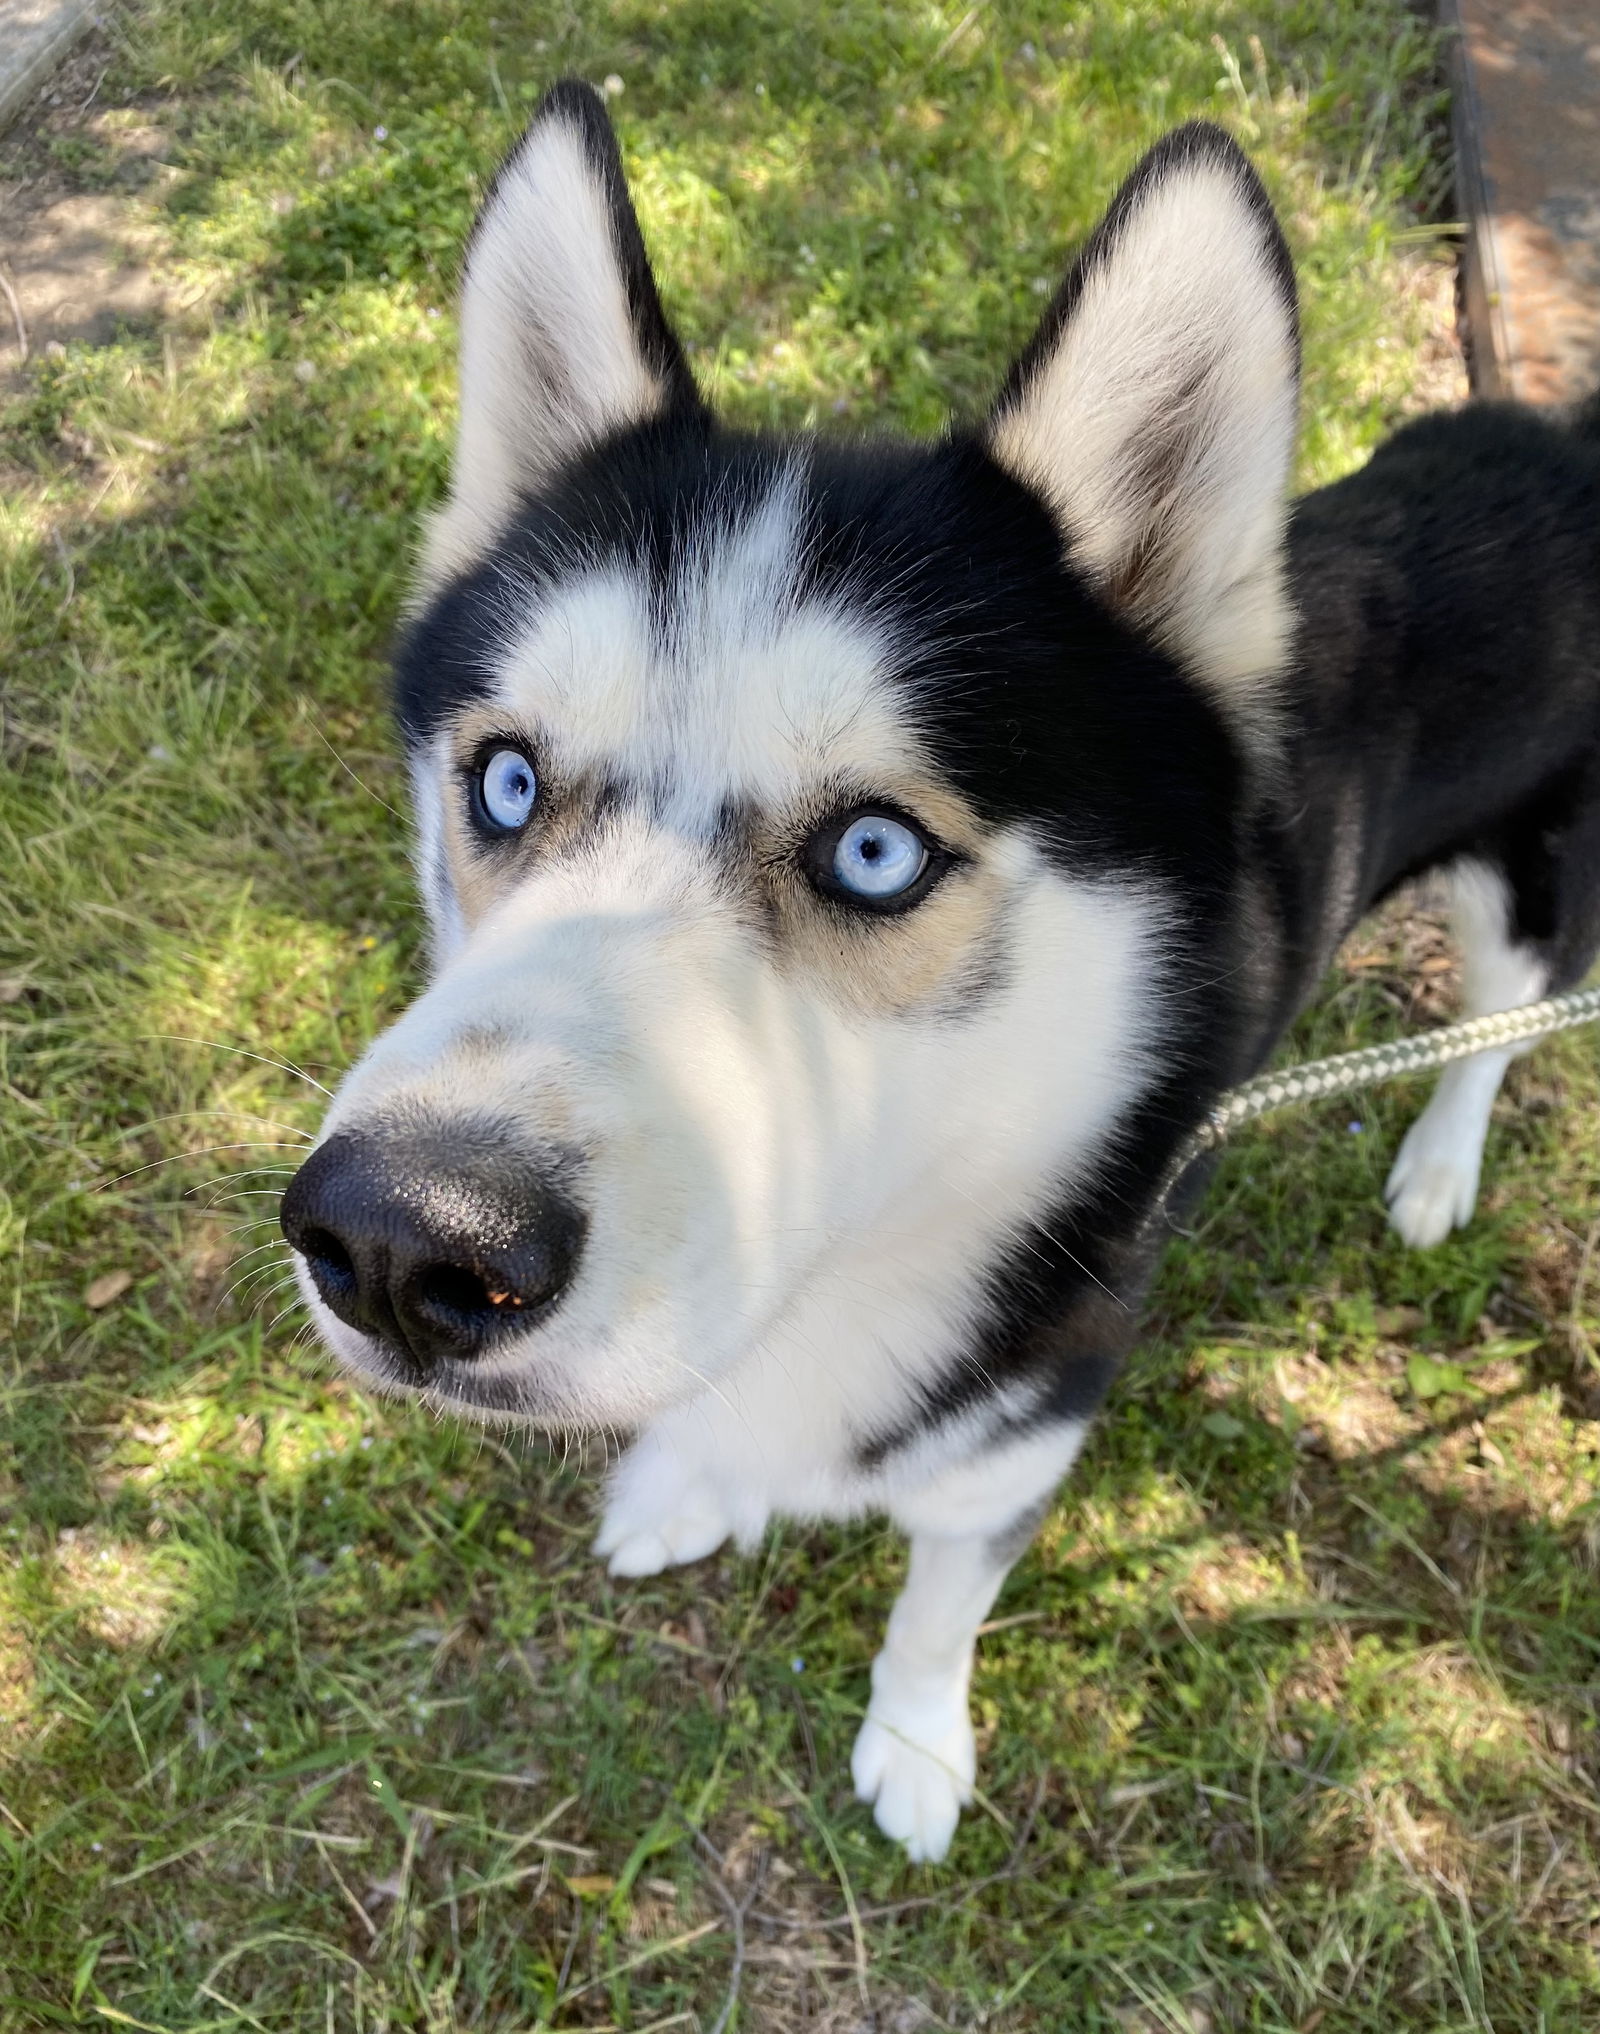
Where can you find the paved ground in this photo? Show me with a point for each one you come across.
(34, 36)
(1527, 121)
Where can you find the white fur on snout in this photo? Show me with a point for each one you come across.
(616, 1009)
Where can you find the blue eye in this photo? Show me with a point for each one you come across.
(878, 858)
(507, 788)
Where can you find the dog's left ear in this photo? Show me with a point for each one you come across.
(1155, 412)
(563, 338)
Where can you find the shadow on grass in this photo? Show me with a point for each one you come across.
(326, 1642)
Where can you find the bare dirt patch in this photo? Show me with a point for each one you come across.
(76, 243)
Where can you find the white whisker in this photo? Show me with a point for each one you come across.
(220, 1045)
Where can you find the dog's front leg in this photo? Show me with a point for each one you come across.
(666, 1505)
(915, 1757)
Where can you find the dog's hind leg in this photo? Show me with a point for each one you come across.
(915, 1758)
(1433, 1186)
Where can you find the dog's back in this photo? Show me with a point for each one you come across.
(1445, 713)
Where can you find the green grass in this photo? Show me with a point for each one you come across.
(315, 1713)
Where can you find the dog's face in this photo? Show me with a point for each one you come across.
(811, 834)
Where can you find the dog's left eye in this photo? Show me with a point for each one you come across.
(878, 857)
(874, 860)
(507, 787)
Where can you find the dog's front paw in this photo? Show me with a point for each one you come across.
(1433, 1185)
(916, 1764)
(656, 1517)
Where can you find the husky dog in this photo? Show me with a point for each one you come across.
(855, 867)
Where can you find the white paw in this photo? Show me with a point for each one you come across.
(644, 1530)
(1433, 1186)
(916, 1763)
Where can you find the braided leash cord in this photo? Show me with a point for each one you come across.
(1347, 1073)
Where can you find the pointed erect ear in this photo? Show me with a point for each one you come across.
(1155, 412)
(563, 337)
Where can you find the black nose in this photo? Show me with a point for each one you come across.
(436, 1238)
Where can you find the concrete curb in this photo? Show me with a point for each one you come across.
(35, 35)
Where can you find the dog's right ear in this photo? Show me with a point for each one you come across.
(563, 337)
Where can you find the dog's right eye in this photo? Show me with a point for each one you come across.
(505, 788)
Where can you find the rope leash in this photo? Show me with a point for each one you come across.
(1347, 1073)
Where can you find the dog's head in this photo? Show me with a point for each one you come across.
(813, 834)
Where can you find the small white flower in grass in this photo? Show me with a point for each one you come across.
(1040, 286)
(97, 1846)
(612, 86)
(380, 134)
(1027, 52)
(158, 752)
(305, 370)
(761, 91)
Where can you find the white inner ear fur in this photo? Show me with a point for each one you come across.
(549, 358)
(1161, 430)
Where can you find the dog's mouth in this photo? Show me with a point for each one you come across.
(519, 1396)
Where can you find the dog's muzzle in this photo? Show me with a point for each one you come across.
(438, 1239)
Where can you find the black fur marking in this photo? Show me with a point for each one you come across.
(1448, 694)
(1444, 702)
(1004, 652)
